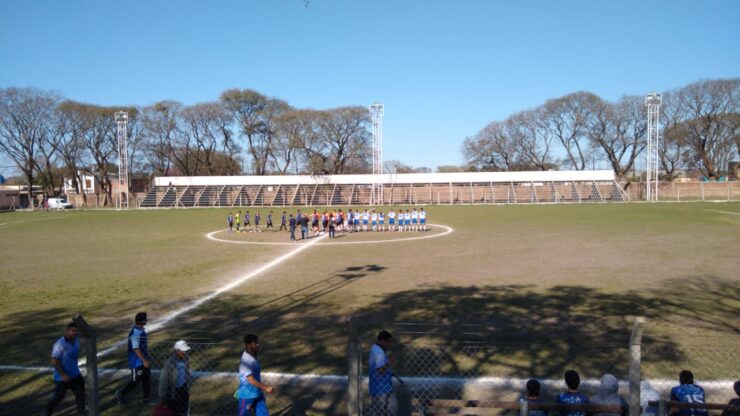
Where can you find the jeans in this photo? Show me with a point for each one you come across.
(292, 233)
(139, 375)
(304, 231)
(77, 385)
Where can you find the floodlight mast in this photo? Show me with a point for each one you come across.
(653, 101)
(377, 111)
(121, 135)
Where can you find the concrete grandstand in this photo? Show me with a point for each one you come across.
(387, 189)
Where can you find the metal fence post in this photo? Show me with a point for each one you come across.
(634, 366)
(353, 370)
(91, 356)
(523, 407)
(661, 408)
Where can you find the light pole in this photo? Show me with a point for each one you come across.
(653, 101)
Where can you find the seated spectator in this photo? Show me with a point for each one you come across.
(688, 392)
(648, 394)
(572, 396)
(533, 396)
(609, 395)
(734, 402)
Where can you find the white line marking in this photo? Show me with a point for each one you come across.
(197, 302)
(25, 221)
(723, 212)
(212, 236)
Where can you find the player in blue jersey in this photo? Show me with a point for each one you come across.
(230, 223)
(251, 391)
(380, 377)
(269, 222)
(423, 219)
(138, 360)
(247, 224)
(64, 357)
(283, 222)
(688, 392)
(257, 221)
(572, 396)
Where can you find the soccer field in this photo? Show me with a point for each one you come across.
(535, 274)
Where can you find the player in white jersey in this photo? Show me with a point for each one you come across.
(381, 221)
(407, 220)
(391, 221)
(365, 218)
(414, 220)
(374, 218)
(423, 219)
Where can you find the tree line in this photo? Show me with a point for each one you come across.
(49, 138)
(699, 127)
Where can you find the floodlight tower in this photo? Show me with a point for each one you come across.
(377, 111)
(653, 101)
(122, 134)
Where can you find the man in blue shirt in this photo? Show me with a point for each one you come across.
(138, 361)
(572, 396)
(175, 379)
(251, 392)
(292, 227)
(382, 398)
(688, 392)
(64, 356)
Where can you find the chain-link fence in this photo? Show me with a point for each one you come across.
(714, 364)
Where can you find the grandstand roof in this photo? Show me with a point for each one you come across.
(404, 178)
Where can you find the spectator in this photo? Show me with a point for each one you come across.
(609, 395)
(304, 226)
(64, 356)
(688, 392)
(572, 396)
(382, 398)
(251, 392)
(138, 361)
(648, 394)
(734, 402)
(175, 379)
(532, 395)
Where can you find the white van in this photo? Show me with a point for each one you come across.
(58, 203)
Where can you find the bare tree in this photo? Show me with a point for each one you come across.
(288, 140)
(159, 127)
(567, 119)
(206, 127)
(492, 149)
(618, 131)
(345, 130)
(708, 110)
(532, 136)
(25, 114)
(396, 166)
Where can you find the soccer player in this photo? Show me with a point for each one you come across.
(382, 398)
(357, 221)
(138, 360)
(230, 223)
(293, 223)
(246, 222)
(269, 222)
(238, 220)
(64, 357)
(392, 220)
(257, 221)
(688, 392)
(381, 220)
(332, 225)
(365, 218)
(407, 220)
(572, 396)
(423, 219)
(283, 222)
(251, 392)
(315, 222)
(414, 220)
(374, 220)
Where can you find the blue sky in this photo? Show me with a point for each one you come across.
(443, 69)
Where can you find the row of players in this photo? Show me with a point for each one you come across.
(410, 220)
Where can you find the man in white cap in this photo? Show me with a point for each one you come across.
(174, 379)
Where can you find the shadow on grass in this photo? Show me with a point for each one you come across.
(516, 331)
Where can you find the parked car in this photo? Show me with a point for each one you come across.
(58, 203)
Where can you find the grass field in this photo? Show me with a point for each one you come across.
(551, 280)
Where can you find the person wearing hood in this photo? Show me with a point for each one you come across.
(648, 394)
(609, 395)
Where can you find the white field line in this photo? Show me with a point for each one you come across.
(159, 324)
(723, 212)
(212, 236)
(470, 382)
(25, 221)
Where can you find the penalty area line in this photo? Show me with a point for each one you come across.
(161, 323)
(723, 212)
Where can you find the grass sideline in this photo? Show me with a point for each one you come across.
(553, 278)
